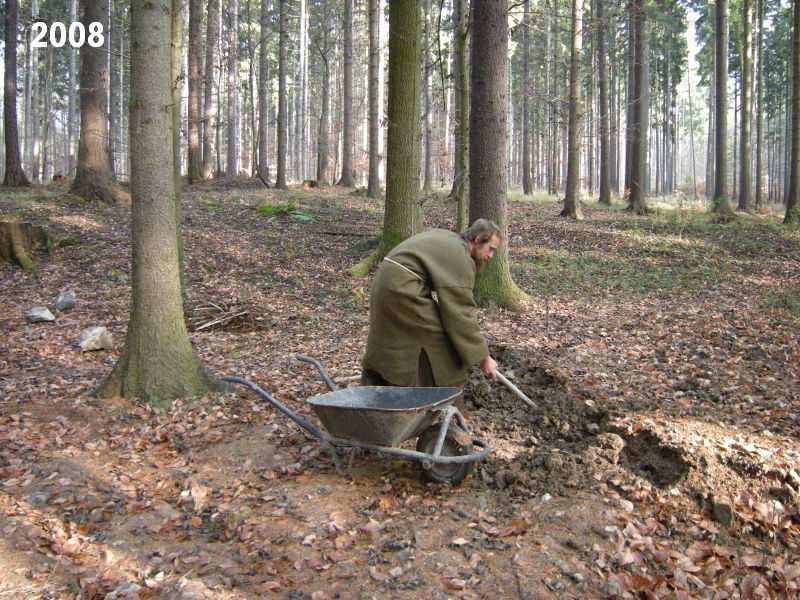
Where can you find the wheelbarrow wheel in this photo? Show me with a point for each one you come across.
(439, 472)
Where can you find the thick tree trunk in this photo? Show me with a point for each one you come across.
(721, 203)
(745, 173)
(14, 176)
(194, 155)
(488, 155)
(527, 184)
(157, 362)
(374, 184)
(177, 84)
(461, 171)
(263, 95)
(402, 214)
(636, 200)
(793, 196)
(280, 181)
(347, 97)
(18, 239)
(605, 135)
(232, 159)
(572, 196)
(759, 101)
(72, 117)
(93, 179)
(427, 180)
(208, 90)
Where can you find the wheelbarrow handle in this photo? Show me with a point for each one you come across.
(515, 390)
(321, 370)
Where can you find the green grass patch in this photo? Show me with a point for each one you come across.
(535, 198)
(289, 209)
(592, 275)
(784, 300)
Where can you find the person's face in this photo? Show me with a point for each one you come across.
(481, 252)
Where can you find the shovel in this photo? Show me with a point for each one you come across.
(516, 391)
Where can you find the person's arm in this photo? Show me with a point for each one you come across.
(457, 309)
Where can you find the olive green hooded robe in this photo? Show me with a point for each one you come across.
(406, 319)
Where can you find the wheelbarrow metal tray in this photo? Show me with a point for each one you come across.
(384, 416)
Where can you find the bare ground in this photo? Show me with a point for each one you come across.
(662, 461)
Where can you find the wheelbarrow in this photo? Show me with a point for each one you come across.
(381, 418)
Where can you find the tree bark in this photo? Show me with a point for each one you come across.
(194, 156)
(721, 203)
(605, 135)
(157, 362)
(93, 179)
(263, 95)
(280, 181)
(427, 181)
(347, 97)
(792, 216)
(402, 214)
(461, 170)
(759, 102)
(17, 240)
(745, 174)
(572, 196)
(232, 159)
(373, 183)
(323, 137)
(488, 155)
(208, 90)
(72, 78)
(14, 175)
(636, 200)
(527, 183)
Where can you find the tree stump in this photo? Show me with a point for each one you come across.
(18, 239)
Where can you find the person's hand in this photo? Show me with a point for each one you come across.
(489, 368)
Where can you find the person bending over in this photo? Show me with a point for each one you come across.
(423, 330)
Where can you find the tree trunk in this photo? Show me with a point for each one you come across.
(14, 176)
(759, 101)
(402, 215)
(71, 109)
(347, 97)
(793, 195)
(721, 204)
(232, 160)
(488, 155)
(93, 179)
(34, 113)
(636, 200)
(18, 239)
(177, 85)
(374, 184)
(745, 177)
(572, 196)
(605, 141)
(280, 182)
(527, 184)
(208, 90)
(427, 180)
(461, 171)
(323, 139)
(157, 362)
(630, 94)
(194, 156)
(263, 95)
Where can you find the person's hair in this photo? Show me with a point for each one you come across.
(482, 231)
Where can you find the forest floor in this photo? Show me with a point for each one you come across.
(663, 460)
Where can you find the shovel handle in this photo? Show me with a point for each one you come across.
(515, 390)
